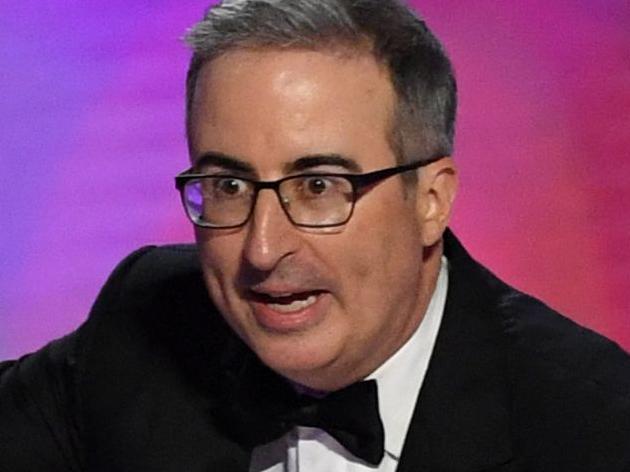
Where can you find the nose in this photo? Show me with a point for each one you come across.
(271, 237)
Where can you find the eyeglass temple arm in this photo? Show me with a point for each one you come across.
(361, 182)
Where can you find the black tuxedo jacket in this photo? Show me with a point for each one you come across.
(144, 383)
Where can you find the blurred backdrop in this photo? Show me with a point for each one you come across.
(92, 134)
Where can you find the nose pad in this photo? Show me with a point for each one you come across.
(270, 234)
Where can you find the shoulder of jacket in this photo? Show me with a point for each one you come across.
(559, 349)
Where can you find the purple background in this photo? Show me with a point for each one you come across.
(92, 134)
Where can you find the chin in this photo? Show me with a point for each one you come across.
(302, 358)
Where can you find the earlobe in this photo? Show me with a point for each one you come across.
(437, 190)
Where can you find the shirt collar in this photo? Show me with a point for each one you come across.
(400, 378)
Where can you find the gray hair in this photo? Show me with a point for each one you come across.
(421, 73)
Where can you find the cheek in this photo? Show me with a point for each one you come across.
(385, 246)
(387, 227)
(220, 258)
(219, 253)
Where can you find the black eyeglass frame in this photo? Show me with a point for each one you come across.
(360, 183)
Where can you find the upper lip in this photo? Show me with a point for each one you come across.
(287, 282)
(280, 292)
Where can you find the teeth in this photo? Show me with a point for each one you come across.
(296, 305)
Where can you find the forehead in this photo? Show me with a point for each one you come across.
(269, 107)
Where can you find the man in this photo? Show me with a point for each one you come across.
(346, 327)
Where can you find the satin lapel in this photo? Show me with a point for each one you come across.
(461, 421)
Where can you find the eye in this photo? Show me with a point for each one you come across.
(315, 186)
(228, 187)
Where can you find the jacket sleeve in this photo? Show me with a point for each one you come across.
(40, 403)
(38, 430)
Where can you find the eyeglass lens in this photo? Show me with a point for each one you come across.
(309, 200)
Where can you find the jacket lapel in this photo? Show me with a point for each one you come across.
(461, 421)
(215, 370)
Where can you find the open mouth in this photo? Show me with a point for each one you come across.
(287, 303)
(288, 311)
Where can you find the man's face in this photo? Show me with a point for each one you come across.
(321, 307)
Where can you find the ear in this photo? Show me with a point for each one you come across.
(437, 187)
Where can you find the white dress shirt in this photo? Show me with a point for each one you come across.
(399, 381)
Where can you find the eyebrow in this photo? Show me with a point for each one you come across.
(234, 164)
(230, 163)
(316, 160)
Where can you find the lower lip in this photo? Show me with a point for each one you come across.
(299, 320)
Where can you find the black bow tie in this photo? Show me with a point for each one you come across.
(349, 415)
(263, 407)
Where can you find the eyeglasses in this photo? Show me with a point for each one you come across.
(311, 200)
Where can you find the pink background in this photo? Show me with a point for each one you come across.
(92, 135)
